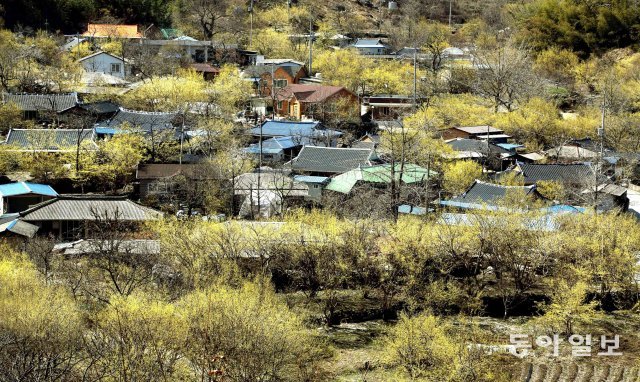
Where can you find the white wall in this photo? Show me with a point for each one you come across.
(103, 63)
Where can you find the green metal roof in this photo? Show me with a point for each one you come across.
(345, 182)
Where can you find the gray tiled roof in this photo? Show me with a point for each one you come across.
(48, 139)
(37, 102)
(330, 159)
(474, 145)
(143, 120)
(101, 107)
(479, 129)
(481, 192)
(565, 173)
(255, 71)
(88, 207)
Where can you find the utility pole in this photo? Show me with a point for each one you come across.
(450, 1)
(311, 35)
(601, 156)
(251, 23)
(415, 77)
(181, 137)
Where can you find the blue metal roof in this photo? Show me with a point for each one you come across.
(22, 188)
(310, 179)
(255, 149)
(289, 128)
(413, 210)
(563, 208)
(106, 130)
(509, 146)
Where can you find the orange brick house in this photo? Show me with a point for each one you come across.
(314, 101)
(283, 75)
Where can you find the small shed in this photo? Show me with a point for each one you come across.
(20, 196)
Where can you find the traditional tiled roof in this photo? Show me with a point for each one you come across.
(331, 159)
(564, 173)
(143, 120)
(112, 30)
(42, 102)
(23, 188)
(101, 107)
(474, 145)
(482, 192)
(163, 170)
(18, 227)
(51, 140)
(88, 207)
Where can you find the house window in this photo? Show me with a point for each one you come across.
(280, 104)
(115, 68)
(158, 188)
(281, 83)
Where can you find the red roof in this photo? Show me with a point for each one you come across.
(205, 68)
(309, 93)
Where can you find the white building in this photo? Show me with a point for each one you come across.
(103, 62)
(371, 46)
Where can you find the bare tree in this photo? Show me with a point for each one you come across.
(503, 75)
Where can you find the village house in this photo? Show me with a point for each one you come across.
(277, 149)
(271, 76)
(483, 195)
(265, 192)
(17, 197)
(144, 121)
(97, 111)
(327, 161)
(490, 133)
(371, 46)
(386, 106)
(208, 71)
(490, 156)
(157, 179)
(368, 141)
(70, 216)
(107, 63)
(575, 174)
(51, 140)
(378, 175)
(311, 133)
(299, 101)
(41, 106)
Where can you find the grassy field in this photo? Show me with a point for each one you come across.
(358, 354)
